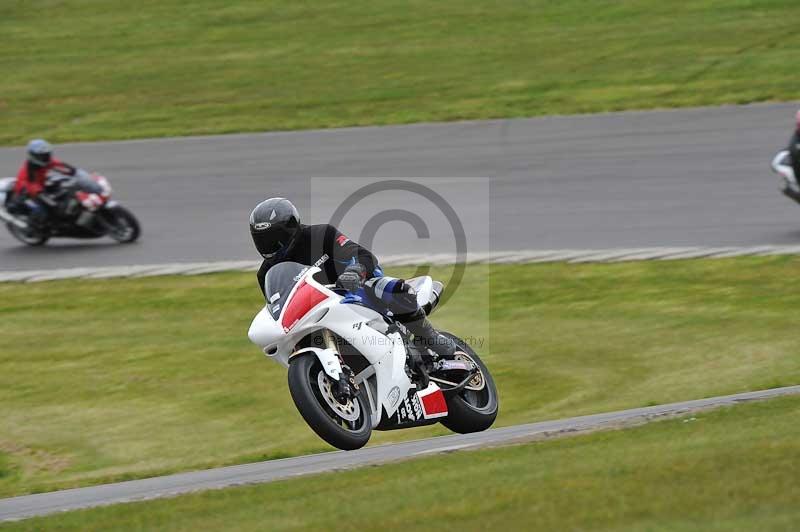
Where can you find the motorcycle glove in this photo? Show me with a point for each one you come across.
(352, 277)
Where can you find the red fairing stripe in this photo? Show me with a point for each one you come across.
(304, 299)
(90, 201)
(433, 403)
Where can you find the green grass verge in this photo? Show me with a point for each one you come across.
(114, 379)
(102, 69)
(731, 469)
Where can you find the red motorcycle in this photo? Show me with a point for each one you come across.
(76, 207)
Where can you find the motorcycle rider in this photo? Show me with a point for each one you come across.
(794, 146)
(279, 236)
(32, 177)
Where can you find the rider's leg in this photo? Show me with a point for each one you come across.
(15, 204)
(426, 336)
(36, 211)
(401, 299)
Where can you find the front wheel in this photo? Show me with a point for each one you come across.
(345, 425)
(475, 407)
(122, 225)
(29, 236)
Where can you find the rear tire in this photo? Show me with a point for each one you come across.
(32, 239)
(310, 399)
(124, 225)
(472, 411)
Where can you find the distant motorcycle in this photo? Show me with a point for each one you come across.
(352, 369)
(78, 207)
(782, 165)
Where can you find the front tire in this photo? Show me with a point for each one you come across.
(124, 227)
(472, 410)
(346, 426)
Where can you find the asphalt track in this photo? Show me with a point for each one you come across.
(694, 177)
(47, 503)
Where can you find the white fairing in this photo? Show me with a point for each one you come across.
(361, 327)
(781, 165)
(6, 186)
(266, 333)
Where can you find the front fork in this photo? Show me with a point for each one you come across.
(346, 386)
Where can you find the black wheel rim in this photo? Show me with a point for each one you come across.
(122, 229)
(355, 426)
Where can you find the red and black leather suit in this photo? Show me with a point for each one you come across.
(31, 177)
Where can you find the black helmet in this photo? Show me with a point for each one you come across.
(39, 152)
(274, 225)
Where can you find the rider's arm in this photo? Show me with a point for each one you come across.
(63, 168)
(344, 252)
(261, 275)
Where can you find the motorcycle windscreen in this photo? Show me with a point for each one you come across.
(86, 184)
(280, 280)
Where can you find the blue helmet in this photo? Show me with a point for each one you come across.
(39, 152)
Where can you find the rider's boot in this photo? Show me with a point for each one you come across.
(425, 335)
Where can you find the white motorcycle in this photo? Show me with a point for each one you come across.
(782, 165)
(352, 369)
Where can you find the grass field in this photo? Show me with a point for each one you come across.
(98, 69)
(731, 469)
(114, 379)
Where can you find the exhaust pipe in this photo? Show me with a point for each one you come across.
(6, 217)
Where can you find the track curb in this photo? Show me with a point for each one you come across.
(575, 256)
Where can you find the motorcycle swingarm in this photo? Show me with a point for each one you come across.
(449, 392)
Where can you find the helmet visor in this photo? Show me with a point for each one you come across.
(41, 159)
(272, 240)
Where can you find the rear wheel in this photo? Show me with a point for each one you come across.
(346, 425)
(123, 225)
(30, 236)
(475, 407)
